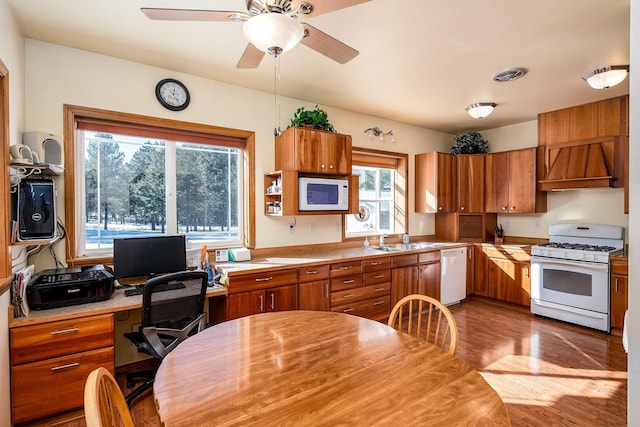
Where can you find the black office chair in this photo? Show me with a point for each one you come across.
(171, 313)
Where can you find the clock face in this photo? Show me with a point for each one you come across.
(172, 94)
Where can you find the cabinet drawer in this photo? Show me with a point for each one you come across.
(345, 268)
(347, 282)
(619, 266)
(376, 264)
(268, 279)
(432, 256)
(309, 274)
(376, 308)
(359, 294)
(44, 388)
(508, 254)
(46, 340)
(404, 260)
(376, 277)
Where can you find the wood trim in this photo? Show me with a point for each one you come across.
(73, 113)
(5, 213)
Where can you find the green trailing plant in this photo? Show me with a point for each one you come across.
(469, 143)
(316, 119)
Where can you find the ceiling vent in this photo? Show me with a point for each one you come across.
(509, 75)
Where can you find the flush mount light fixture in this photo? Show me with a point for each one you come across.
(273, 33)
(371, 132)
(606, 77)
(481, 109)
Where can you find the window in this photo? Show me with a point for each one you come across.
(145, 177)
(383, 202)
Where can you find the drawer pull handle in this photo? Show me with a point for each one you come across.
(348, 296)
(378, 276)
(379, 290)
(375, 263)
(65, 331)
(348, 310)
(346, 282)
(67, 366)
(345, 267)
(312, 272)
(264, 279)
(378, 303)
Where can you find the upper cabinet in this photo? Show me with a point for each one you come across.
(436, 182)
(313, 151)
(471, 183)
(511, 181)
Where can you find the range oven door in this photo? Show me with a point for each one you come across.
(573, 291)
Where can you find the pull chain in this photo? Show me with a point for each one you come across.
(276, 92)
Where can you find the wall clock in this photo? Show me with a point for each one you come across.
(172, 94)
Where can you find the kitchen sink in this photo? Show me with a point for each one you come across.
(398, 247)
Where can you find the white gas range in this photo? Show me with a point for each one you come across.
(570, 274)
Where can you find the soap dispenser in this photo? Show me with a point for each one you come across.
(366, 242)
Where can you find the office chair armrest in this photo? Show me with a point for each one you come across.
(152, 335)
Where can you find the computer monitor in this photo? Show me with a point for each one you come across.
(148, 256)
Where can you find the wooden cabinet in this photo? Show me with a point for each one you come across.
(361, 288)
(436, 181)
(512, 181)
(471, 184)
(619, 291)
(254, 293)
(503, 273)
(50, 363)
(313, 151)
(313, 288)
(415, 274)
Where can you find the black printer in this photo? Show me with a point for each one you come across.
(69, 286)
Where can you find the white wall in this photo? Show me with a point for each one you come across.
(12, 55)
(562, 206)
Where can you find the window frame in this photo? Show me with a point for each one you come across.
(390, 160)
(176, 129)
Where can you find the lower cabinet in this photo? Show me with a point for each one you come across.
(503, 273)
(415, 274)
(50, 363)
(280, 298)
(313, 288)
(619, 291)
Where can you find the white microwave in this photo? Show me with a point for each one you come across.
(323, 194)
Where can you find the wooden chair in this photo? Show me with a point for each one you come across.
(427, 319)
(104, 403)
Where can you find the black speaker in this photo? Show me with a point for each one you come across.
(35, 210)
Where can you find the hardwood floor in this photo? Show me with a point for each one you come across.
(548, 373)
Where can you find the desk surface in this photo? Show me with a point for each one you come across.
(118, 302)
(318, 368)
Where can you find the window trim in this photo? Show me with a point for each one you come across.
(73, 114)
(384, 159)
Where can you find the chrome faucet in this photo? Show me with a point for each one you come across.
(382, 237)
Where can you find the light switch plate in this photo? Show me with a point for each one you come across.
(222, 255)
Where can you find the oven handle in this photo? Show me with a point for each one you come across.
(570, 263)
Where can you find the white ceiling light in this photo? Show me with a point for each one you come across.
(273, 33)
(606, 77)
(481, 109)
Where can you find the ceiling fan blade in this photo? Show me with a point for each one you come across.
(320, 7)
(328, 46)
(251, 57)
(193, 15)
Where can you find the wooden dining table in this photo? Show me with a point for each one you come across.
(313, 368)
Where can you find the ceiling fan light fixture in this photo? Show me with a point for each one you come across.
(480, 110)
(273, 33)
(606, 77)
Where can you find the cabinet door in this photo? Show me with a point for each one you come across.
(436, 182)
(429, 280)
(497, 182)
(309, 150)
(509, 281)
(619, 299)
(337, 154)
(522, 181)
(447, 183)
(480, 263)
(470, 268)
(282, 298)
(403, 283)
(471, 183)
(245, 304)
(314, 295)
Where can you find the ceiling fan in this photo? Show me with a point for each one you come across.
(272, 26)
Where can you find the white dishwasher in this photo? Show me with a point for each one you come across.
(453, 275)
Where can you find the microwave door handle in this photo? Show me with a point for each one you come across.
(570, 263)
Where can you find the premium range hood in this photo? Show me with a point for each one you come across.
(585, 165)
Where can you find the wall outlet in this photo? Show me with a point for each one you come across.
(312, 228)
(538, 223)
(135, 327)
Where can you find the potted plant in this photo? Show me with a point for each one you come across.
(469, 143)
(316, 119)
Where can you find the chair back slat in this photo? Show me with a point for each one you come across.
(104, 403)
